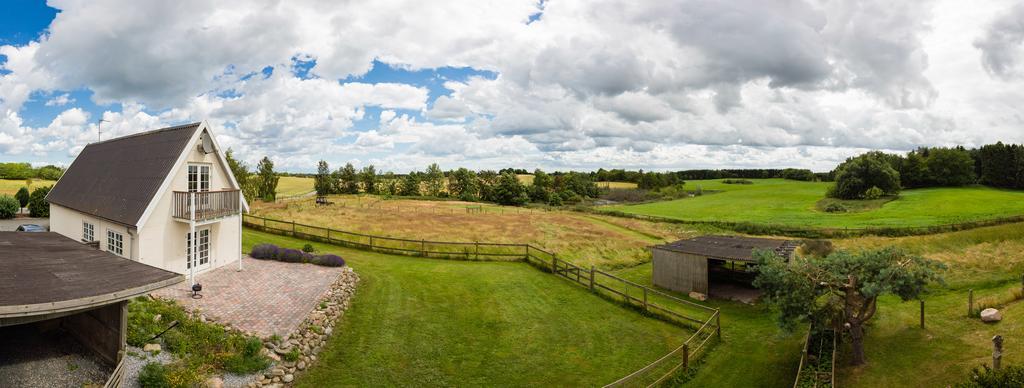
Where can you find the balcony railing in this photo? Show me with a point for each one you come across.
(205, 205)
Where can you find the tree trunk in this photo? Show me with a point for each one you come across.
(857, 344)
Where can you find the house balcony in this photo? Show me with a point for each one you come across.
(205, 205)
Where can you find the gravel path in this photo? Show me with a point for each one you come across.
(136, 359)
(30, 358)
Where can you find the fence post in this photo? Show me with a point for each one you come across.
(293, 228)
(371, 242)
(264, 223)
(591, 278)
(718, 323)
(922, 313)
(645, 298)
(423, 248)
(997, 351)
(686, 356)
(554, 264)
(970, 301)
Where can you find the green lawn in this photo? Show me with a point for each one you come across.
(430, 322)
(792, 203)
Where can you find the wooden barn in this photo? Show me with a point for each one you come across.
(693, 265)
(62, 300)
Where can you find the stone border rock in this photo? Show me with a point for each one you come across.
(311, 335)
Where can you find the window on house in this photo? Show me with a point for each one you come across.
(88, 232)
(198, 177)
(115, 243)
(202, 248)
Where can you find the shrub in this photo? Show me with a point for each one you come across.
(329, 261)
(873, 193)
(37, 204)
(264, 252)
(817, 248)
(308, 248)
(835, 208)
(555, 200)
(290, 255)
(248, 359)
(153, 375)
(737, 182)
(23, 196)
(291, 356)
(1007, 376)
(8, 207)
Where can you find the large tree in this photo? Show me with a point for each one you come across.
(434, 180)
(841, 290)
(348, 180)
(410, 185)
(368, 176)
(462, 183)
(242, 175)
(540, 189)
(266, 186)
(858, 174)
(322, 180)
(510, 191)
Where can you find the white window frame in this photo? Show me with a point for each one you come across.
(202, 250)
(88, 232)
(115, 243)
(198, 177)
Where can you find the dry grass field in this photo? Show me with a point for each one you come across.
(10, 187)
(607, 242)
(290, 186)
(616, 185)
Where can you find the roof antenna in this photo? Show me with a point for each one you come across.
(99, 128)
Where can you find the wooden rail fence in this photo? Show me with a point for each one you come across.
(705, 320)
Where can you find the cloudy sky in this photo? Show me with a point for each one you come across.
(557, 84)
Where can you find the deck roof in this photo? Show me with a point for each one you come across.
(730, 247)
(42, 273)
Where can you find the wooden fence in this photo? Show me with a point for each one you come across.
(116, 379)
(705, 320)
(812, 232)
(816, 377)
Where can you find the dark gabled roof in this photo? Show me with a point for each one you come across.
(730, 247)
(116, 179)
(45, 272)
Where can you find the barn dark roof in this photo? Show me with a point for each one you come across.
(730, 247)
(42, 272)
(116, 179)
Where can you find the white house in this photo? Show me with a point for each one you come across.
(165, 198)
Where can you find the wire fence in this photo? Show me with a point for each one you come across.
(812, 232)
(703, 319)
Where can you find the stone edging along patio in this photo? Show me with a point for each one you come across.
(311, 335)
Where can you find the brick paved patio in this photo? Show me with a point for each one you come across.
(266, 298)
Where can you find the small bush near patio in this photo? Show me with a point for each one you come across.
(329, 261)
(201, 347)
(8, 207)
(288, 255)
(153, 375)
(308, 248)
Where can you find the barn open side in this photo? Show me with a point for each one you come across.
(62, 301)
(703, 263)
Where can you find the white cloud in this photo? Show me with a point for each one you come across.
(625, 82)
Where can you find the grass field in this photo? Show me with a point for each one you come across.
(608, 242)
(430, 322)
(616, 185)
(793, 203)
(290, 186)
(10, 187)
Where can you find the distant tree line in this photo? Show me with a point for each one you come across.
(655, 180)
(876, 173)
(26, 171)
(501, 187)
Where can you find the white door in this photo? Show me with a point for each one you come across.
(202, 257)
